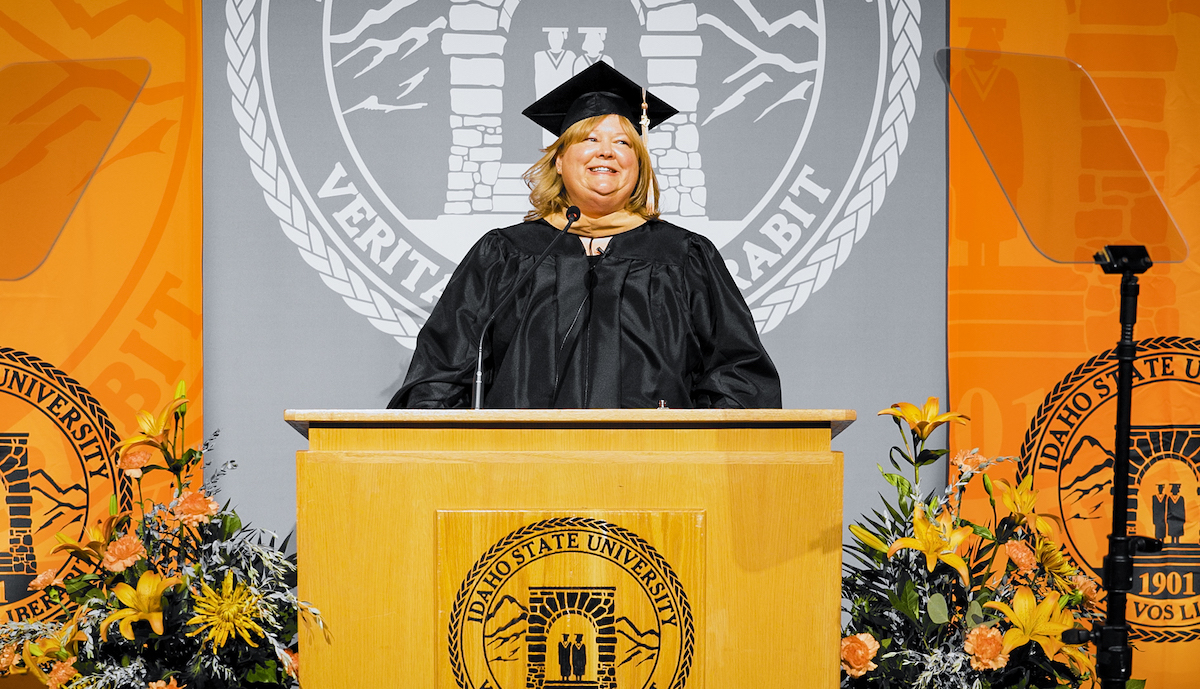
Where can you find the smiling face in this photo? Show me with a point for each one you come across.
(601, 171)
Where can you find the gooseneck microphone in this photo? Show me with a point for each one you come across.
(477, 389)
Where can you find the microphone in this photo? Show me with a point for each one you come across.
(572, 214)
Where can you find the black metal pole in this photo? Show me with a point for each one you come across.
(1114, 656)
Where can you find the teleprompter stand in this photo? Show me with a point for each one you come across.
(1041, 124)
(1114, 656)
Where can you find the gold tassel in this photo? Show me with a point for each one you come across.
(645, 118)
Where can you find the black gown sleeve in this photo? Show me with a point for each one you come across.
(735, 370)
(443, 363)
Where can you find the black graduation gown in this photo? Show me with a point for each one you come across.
(656, 317)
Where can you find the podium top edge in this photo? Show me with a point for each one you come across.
(836, 419)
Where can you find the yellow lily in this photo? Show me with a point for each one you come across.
(144, 603)
(33, 657)
(1078, 657)
(1032, 621)
(1021, 501)
(152, 430)
(95, 540)
(59, 646)
(939, 541)
(923, 421)
(868, 538)
(66, 639)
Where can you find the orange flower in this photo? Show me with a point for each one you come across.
(857, 653)
(1086, 586)
(134, 460)
(8, 655)
(1021, 555)
(985, 645)
(123, 553)
(163, 684)
(970, 460)
(291, 663)
(62, 671)
(41, 581)
(195, 508)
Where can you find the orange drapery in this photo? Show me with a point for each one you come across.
(1021, 330)
(104, 311)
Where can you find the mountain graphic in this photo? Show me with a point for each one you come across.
(1087, 492)
(634, 645)
(504, 630)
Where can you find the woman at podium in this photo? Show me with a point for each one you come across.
(629, 311)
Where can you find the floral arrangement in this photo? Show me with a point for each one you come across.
(935, 600)
(182, 594)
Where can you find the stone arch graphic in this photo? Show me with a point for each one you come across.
(479, 181)
(549, 603)
(18, 562)
(1152, 444)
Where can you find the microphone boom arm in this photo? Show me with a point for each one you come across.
(477, 387)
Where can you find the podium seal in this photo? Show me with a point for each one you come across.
(571, 603)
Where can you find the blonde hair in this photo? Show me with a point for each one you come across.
(548, 195)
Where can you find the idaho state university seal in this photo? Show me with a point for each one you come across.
(793, 118)
(571, 603)
(1068, 451)
(57, 472)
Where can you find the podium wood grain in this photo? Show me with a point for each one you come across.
(371, 485)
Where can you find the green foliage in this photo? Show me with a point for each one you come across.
(266, 672)
(938, 612)
(927, 457)
(903, 486)
(906, 601)
(974, 616)
(982, 531)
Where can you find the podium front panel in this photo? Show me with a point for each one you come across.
(531, 554)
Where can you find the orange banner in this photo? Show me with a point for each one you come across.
(1029, 340)
(101, 219)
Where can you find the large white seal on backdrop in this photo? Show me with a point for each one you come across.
(386, 134)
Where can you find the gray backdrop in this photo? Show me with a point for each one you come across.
(294, 319)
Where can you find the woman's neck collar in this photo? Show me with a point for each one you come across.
(604, 226)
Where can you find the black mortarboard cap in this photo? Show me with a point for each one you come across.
(597, 90)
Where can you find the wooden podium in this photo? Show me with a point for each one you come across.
(577, 549)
